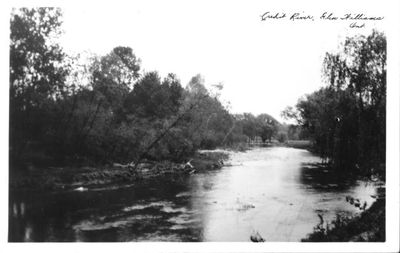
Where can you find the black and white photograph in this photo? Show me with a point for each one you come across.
(251, 122)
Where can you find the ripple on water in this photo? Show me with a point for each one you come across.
(163, 206)
(158, 204)
(183, 219)
(183, 194)
(91, 225)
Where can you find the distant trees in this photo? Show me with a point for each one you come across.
(263, 126)
(268, 126)
(347, 119)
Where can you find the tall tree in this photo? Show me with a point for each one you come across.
(114, 74)
(37, 74)
(347, 119)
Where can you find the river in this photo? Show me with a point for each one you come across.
(276, 191)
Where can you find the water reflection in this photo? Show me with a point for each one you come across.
(275, 191)
(320, 177)
(28, 233)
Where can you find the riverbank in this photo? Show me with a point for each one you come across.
(369, 226)
(300, 144)
(84, 177)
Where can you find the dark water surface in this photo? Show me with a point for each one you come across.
(277, 192)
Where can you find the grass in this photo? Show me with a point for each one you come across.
(369, 226)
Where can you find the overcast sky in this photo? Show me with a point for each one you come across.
(264, 66)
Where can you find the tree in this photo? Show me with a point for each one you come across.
(114, 75)
(361, 69)
(209, 123)
(153, 98)
(249, 125)
(36, 61)
(268, 126)
(347, 118)
(290, 113)
(37, 75)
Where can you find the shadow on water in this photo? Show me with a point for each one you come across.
(146, 211)
(322, 177)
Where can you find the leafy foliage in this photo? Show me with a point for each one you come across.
(100, 109)
(346, 119)
(104, 109)
(38, 69)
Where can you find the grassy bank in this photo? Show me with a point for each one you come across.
(369, 226)
(81, 178)
(303, 144)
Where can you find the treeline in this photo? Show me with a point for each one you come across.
(347, 119)
(102, 109)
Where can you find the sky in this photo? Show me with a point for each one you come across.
(264, 66)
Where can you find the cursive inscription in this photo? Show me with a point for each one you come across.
(301, 16)
(355, 20)
(269, 15)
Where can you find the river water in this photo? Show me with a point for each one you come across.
(277, 192)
